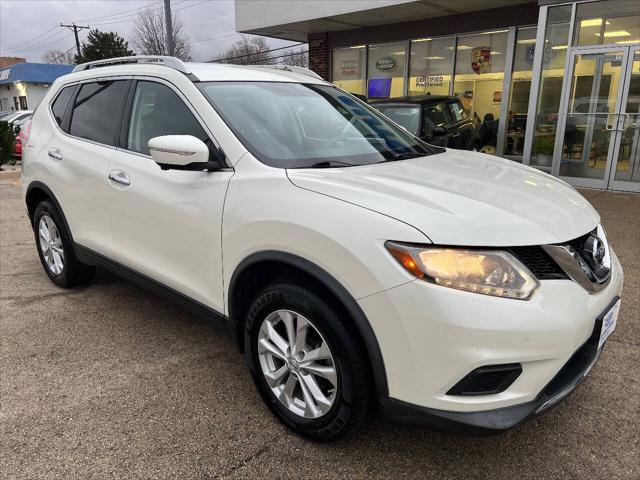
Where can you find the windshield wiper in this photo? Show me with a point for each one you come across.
(331, 163)
(406, 155)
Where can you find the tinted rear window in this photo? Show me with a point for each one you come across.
(96, 112)
(60, 103)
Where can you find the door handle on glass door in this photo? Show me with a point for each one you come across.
(55, 154)
(119, 176)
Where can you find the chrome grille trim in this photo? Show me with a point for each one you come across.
(578, 268)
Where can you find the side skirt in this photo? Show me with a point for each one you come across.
(88, 256)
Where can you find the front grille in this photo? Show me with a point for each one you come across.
(578, 243)
(487, 380)
(539, 263)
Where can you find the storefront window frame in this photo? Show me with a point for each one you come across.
(537, 78)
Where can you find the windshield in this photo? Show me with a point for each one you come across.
(293, 125)
(407, 117)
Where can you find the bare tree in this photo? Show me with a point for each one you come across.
(296, 58)
(247, 50)
(59, 57)
(150, 36)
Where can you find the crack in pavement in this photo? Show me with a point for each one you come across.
(242, 463)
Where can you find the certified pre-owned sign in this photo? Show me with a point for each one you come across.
(385, 64)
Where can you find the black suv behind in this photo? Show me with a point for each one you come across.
(422, 115)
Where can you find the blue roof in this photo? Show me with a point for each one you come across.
(33, 72)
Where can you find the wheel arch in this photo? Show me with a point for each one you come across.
(38, 192)
(259, 269)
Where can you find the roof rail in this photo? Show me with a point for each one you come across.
(291, 68)
(171, 62)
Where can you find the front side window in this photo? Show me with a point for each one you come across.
(59, 105)
(293, 125)
(96, 111)
(157, 110)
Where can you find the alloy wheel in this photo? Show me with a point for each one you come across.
(297, 364)
(51, 245)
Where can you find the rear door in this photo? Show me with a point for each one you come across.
(79, 153)
(166, 223)
(461, 126)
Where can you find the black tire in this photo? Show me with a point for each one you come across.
(73, 272)
(353, 397)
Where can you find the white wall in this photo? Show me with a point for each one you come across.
(252, 14)
(34, 93)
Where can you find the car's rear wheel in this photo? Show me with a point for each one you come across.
(55, 248)
(307, 363)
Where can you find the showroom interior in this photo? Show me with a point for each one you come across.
(562, 79)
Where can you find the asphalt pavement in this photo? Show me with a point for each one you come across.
(109, 381)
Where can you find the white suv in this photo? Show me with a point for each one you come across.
(354, 264)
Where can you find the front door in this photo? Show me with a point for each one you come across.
(597, 144)
(166, 224)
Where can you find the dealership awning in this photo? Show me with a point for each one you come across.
(296, 20)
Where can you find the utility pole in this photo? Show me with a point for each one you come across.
(75, 29)
(169, 24)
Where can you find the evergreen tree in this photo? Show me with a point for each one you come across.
(102, 45)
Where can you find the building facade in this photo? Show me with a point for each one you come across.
(24, 85)
(561, 78)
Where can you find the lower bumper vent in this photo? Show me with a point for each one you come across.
(487, 380)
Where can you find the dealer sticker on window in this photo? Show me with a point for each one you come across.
(609, 323)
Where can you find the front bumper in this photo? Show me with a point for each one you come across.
(494, 421)
(432, 336)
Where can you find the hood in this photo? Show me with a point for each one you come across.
(462, 198)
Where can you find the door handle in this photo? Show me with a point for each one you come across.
(55, 154)
(119, 176)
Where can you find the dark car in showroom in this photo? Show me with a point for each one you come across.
(437, 119)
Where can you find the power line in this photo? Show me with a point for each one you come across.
(194, 5)
(61, 55)
(25, 44)
(218, 60)
(45, 41)
(117, 14)
(216, 39)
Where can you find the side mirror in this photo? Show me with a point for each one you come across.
(179, 152)
(439, 132)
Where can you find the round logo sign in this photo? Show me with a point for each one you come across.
(595, 250)
(385, 64)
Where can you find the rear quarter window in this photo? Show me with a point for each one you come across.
(59, 105)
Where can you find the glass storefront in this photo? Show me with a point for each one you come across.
(349, 69)
(387, 70)
(431, 66)
(519, 92)
(607, 22)
(571, 102)
(478, 78)
(556, 42)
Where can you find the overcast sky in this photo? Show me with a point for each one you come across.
(28, 28)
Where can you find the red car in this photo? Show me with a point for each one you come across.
(21, 139)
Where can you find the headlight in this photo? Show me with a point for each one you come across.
(490, 272)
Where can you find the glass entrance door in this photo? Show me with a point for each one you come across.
(626, 175)
(600, 120)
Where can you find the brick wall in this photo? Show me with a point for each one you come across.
(8, 61)
(319, 57)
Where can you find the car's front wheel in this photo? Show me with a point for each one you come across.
(307, 363)
(55, 248)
